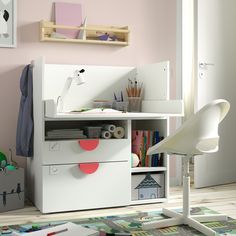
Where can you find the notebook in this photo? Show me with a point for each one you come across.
(67, 229)
(69, 14)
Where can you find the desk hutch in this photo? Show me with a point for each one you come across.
(55, 173)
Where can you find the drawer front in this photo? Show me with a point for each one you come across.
(69, 152)
(68, 188)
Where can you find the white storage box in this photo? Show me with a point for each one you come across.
(11, 189)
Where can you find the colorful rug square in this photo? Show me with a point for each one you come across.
(131, 223)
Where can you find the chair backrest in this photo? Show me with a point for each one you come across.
(199, 134)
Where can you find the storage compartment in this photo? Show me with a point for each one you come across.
(110, 35)
(146, 134)
(64, 130)
(147, 186)
(63, 152)
(67, 187)
(12, 189)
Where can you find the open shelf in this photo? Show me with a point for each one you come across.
(147, 169)
(148, 201)
(90, 34)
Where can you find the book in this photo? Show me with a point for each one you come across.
(141, 141)
(155, 157)
(69, 14)
(137, 143)
(67, 229)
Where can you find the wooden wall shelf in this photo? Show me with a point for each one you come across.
(90, 34)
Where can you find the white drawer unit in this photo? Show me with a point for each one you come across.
(68, 188)
(59, 152)
(67, 173)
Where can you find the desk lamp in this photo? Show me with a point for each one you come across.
(78, 78)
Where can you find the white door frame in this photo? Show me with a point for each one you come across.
(184, 34)
(177, 179)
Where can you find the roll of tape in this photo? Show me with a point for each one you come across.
(109, 127)
(119, 132)
(106, 134)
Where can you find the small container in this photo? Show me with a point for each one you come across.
(93, 131)
(135, 104)
(121, 106)
(12, 189)
(102, 103)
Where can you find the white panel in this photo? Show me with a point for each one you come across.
(109, 186)
(34, 174)
(155, 78)
(101, 83)
(216, 46)
(168, 106)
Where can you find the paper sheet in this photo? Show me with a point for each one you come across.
(68, 14)
(73, 229)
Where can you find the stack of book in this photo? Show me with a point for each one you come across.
(65, 134)
(141, 141)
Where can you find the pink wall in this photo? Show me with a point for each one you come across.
(153, 38)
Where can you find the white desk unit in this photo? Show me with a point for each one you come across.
(55, 173)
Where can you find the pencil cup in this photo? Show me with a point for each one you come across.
(121, 106)
(135, 104)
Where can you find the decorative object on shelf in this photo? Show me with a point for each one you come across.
(134, 92)
(106, 37)
(8, 23)
(89, 34)
(78, 78)
(69, 14)
(148, 185)
(106, 134)
(134, 160)
(93, 131)
(3, 160)
(119, 103)
(7, 163)
(12, 189)
(109, 127)
(82, 33)
(119, 132)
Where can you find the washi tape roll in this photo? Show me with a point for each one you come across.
(119, 132)
(109, 127)
(106, 134)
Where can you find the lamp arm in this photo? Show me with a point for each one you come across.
(61, 98)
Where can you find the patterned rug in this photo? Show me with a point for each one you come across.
(132, 223)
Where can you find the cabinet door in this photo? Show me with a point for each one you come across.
(68, 188)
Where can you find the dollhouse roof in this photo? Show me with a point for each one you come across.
(148, 182)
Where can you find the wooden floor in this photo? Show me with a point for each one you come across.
(220, 198)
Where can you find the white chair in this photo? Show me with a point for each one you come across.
(198, 135)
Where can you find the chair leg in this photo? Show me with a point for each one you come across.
(186, 187)
(185, 218)
(162, 223)
(210, 218)
(171, 213)
(200, 227)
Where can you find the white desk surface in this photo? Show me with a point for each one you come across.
(111, 116)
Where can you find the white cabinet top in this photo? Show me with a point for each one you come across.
(110, 116)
